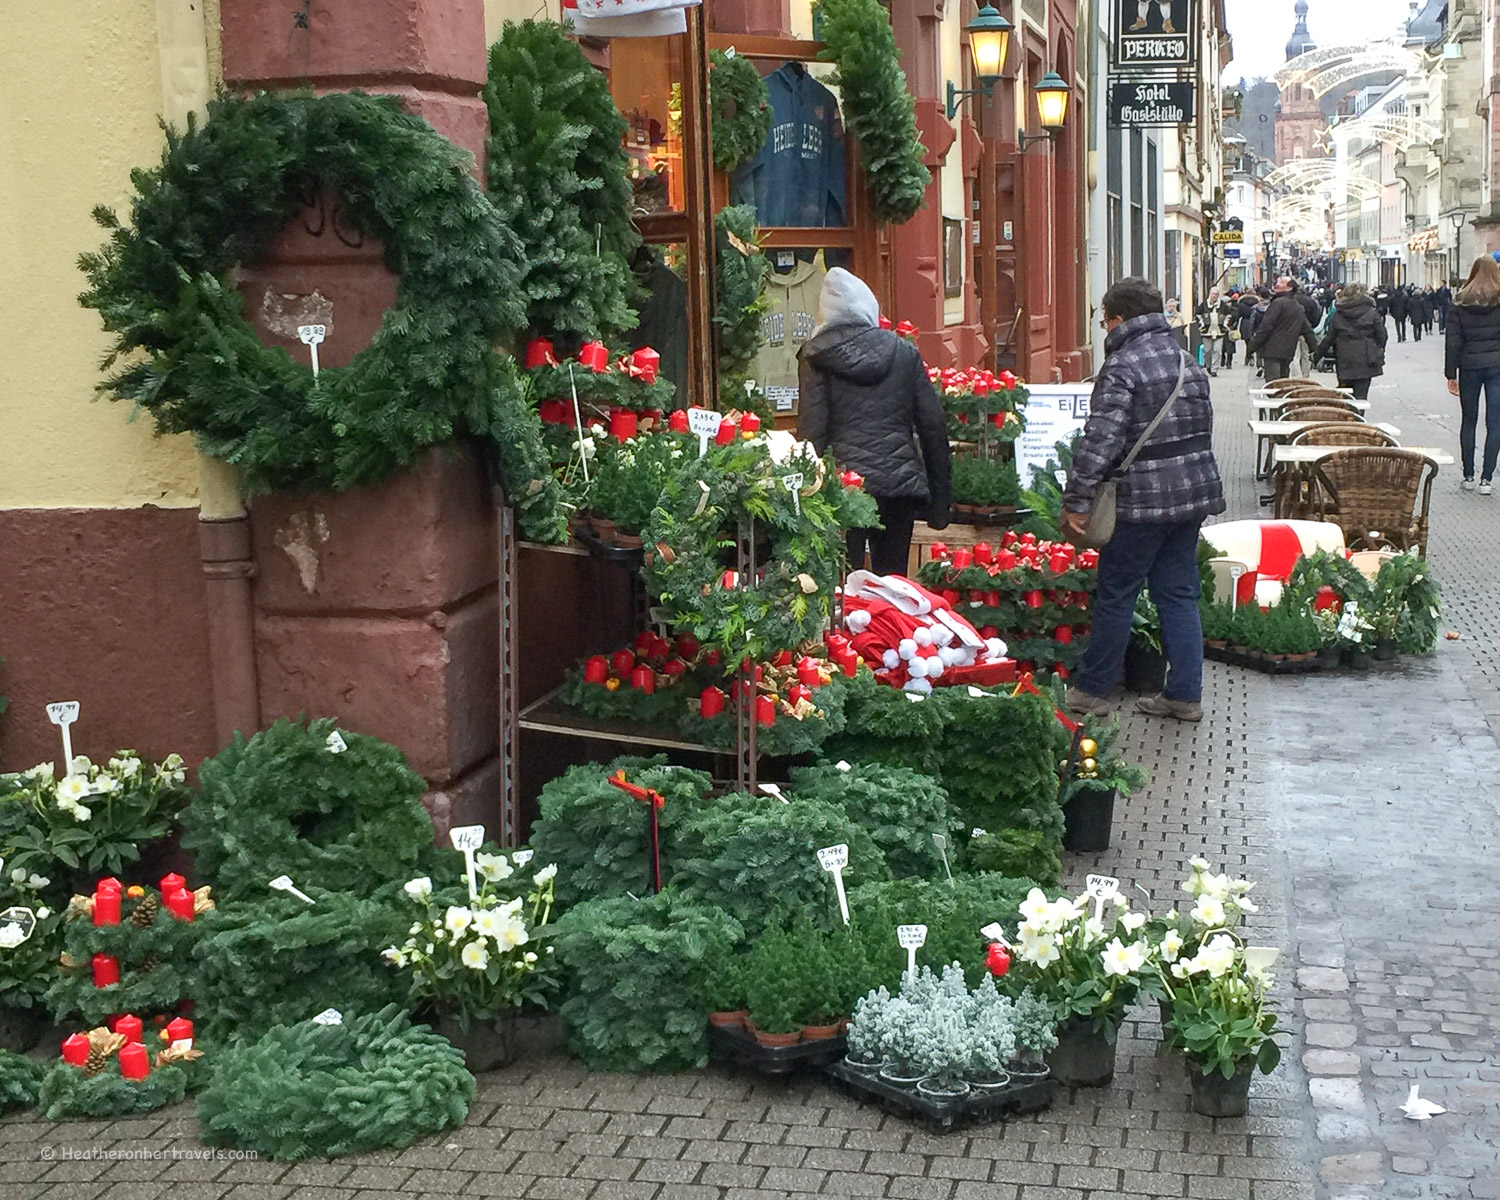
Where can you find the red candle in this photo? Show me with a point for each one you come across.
(1007, 380)
(539, 353)
(678, 421)
(106, 970)
(782, 659)
(749, 422)
(1005, 559)
(962, 557)
(992, 598)
(75, 1049)
(1059, 561)
(765, 711)
(594, 355)
(797, 693)
(1034, 599)
(906, 329)
(1028, 539)
(1089, 560)
(109, 884)
(623, 662)
(180, 904)
(643, 679)
(939, 550)
(644, 364)
(850, 663)
(107, 907)
(853, 479)
(622, 424)
(1009, 539)
(710, 702)
(134, 1063)
(1059, 670)
(885, 322)
(730, 579)
(596, 669)
(673, 667)
(171, 882)
(983, 555)
(129, 1027)
(837, 643)
(727, 432)
(807, 673)
(179, 1029)
(950, 596)
(1064, 635)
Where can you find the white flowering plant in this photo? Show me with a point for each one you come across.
(476, 959)
(1090, 969)
(1219, 903)
(94, 819)
(28, 950)
(1221, 1016)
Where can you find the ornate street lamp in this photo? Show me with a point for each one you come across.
(1052, 93)
(989, 46)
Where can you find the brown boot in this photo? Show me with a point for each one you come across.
(1160, 706)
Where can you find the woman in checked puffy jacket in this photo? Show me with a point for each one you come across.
(864, 392)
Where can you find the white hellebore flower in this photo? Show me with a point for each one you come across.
(1209, 911)
(494, 867)
(40, 771)
(547, 873)
(1171, 946)
(393, 955)
(530, 957)
(1120, 959)
(513, 933)
(1036, 907)
(476, 955)
(419, 889)
(81, 765)
(1218, 956)
(458, 918)
(488, 923)
(43, 913)
(1133, 921)
(1042, 950)
(71, 790)
(1198, 864)
(126, 768)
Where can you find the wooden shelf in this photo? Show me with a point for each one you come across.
(551, 715)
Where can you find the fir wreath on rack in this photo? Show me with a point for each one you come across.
(741, 107)
(163, 286)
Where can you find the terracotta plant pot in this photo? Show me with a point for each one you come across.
(1306, 657)
(821, 1033)
(1082, 1057)
(1215, 1096)
(775, 1040)
(628, 541)
(604, 529)
(729, 1018)
(1215, 643)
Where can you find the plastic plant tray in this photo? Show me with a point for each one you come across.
(944, 1116)
(734, 1044)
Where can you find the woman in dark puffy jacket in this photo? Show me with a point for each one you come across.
(1356, 338)
(1472, 365)
(865, 393)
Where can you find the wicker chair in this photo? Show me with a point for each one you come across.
(1295, 495)
(1343, 433)
(1321, 411)
(1378, 496)
(1277, 387)
(1315, 392)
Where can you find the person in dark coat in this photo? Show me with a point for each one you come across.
(1472, 365)
(1400, 306)
(1284, 325)
(1420, 310)
(1443, 297)
(1245, 320)
(1160, 501)
(1305, 360)
(1356, 339)
(865, 393)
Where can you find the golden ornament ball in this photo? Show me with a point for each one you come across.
(1088, 747)
(611, 684)
(1090, 765)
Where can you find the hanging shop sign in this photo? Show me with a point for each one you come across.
(1427, 239)
(1154, 33)
(1229, 237)
(1141, 104)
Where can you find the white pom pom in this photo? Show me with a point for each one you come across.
(942, 635)
(890, 660)
(858, 620)
(907, 649)
(996, 647)
(951, 655)
(923, 636)
(918, 685)
(917, 668)
(934, 668)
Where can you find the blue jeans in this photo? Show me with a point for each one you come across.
(1470, 383)
(1164, 557)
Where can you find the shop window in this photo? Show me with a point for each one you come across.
(646, 78)
(800, 177)
(1115, 187)
(1153, 210)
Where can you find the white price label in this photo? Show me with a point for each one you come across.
(703, 424)
(940, 840)
(283, 883)
(183, 1045)
(841, 765)
(19, 918)
(911, 937)
(522, 857)
(467, 837)
(834, 858)
(1061, 476)
(62, 712)
(311, 335)
(336, 743)
(1257, 958)
(775, 792)
(914, 697)
(994, 931)
(977, 832)
(1102, 887)
(793, 484)
(329, 1016)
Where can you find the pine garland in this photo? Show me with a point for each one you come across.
(740, 283)
(306, 1090)
(20, 1080)
(741, 107)
(558, 174)
(286, 803)
(878, 108)
(224, 189)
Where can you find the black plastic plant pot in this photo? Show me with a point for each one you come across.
(1145, 668)
(1087, 820)
(1083, 1057)
(1215, 1096)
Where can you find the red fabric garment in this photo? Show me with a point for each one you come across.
(1280, 548)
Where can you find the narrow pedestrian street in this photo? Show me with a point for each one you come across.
(1364, 805)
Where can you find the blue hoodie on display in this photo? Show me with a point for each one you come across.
(798, 176)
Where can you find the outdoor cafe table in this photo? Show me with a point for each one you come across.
(1279, 431)
(1263, 404)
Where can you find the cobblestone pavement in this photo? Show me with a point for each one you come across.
(1365, 805)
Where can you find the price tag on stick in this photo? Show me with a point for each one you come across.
(703, 424)
(940, 840)
(466, 839)
(583, 457)
(63, 713)
(994, 932)
(912, 939)
(834, 859)
(1101, 888)
(283, 883)
(775, 792)
(312, 336)
(793, 484)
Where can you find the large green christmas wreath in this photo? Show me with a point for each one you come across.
(66, 1091)
(739, 282)
(310, 1089)
(877, 106)
(741, 106)
(737, 487)
(163, 287)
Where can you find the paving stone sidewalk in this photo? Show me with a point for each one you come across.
(1366, 807)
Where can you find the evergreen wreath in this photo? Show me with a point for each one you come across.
(878, 108)
(558, 174)
(224, 189)
(69, 1091)
(702, 511)
(741, 107)
(289, 802)
(307, 1090)
(739, 281)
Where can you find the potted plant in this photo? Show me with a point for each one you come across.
(943, 1038)
(774, 972)
(630, 477)
(29, 950)
(1096, 776)
(1356, 636)
(726, 981)
(1035, 1029)
(1245, 628)
(1090, 970)
(1327, 622)
(1301, 637)
(1145, 662)
(474, 964)
(1216, 619)
(992, 1037)
(867, 1031)
(984, 486)
(1224, 1022)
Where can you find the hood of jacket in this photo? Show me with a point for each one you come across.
(1352, 306)
(859, 353)
(846, 300)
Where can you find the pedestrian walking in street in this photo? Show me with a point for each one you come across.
(865, 393)
(1420, 313)
(1211, 328)
(1161, 499)
(1400, 305)
(1257, 315)
(1284, 325)
(1356, 339)
(1444, 297)
(1472, 365)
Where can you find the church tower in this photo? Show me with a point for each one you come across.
(1299, 120)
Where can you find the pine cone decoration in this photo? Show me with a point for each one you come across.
(145, 912)
(95, 1062)
(150, 962)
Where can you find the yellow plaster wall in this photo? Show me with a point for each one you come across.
(80, 93)
(497, 12)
